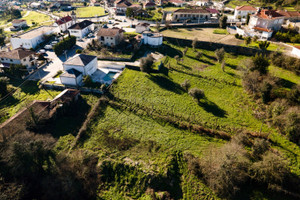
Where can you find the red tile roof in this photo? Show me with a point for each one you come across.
(213, 11)
(109, 32)
(245, 8)
(176, 1)
(262, 29)
(269, 14)
(64, 20)
(289, 13)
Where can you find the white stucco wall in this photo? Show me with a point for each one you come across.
(86, 70)
(71, 81)
(243, 13)
(81, 33)
(296, 52)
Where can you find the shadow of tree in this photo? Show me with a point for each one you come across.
(185, 66)
(209, 57)
(165, 83)
(211, 107)
(200, 60)
(231, 66)
(30, 87)
(286, 83)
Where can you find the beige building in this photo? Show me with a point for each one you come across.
(19, 56)
(195, 15)
(110, 36)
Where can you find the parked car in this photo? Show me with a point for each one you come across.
(48, 47)
(42, 51)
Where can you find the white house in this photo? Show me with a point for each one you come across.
(19, 23)
(152, 39)
(195, 15)
(71, 77)
(121, 6)
(177, 3)
(76, 67)
(19, 56)
(31, 38)
(110, 36)
(243, 11)
(65, 22)
(141, 27)
(264, 22)
(85, 64)
(81, 29)
(296, 51)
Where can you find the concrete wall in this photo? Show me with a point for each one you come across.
(243, 13)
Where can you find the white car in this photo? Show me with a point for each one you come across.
(42, 51)
(48, 47)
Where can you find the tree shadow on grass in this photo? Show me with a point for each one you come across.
(185, 66)
(30, 87)
(200, 60)
(209, 57)
(231, 66)
(211, 107)
(286, 83)
(166, 83)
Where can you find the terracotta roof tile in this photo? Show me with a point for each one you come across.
(245, 8)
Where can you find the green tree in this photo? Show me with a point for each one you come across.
(129, 12)
(263, 45)
(248, 19)
(247, 40)
(220, 54)
(223, 21)
(186, 85)
(198, 55)
(146, 63)
(2, 40)
(177, 58)
(194, 43)
(3, 86)
(260, 63)
(196, 93)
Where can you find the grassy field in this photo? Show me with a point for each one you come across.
(256, 3)
(90, 11)
(126, 134)
(38, 18)
(272, 47)
(203, 34)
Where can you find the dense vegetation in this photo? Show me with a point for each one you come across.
(196, 124)
(65, 44)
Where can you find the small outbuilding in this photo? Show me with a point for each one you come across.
(152, 39)
(141, 27)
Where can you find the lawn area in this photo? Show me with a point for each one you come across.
(171, 8)
(37, 17)
(284, 74)
(220, 31)
(203, 34)
(90, 11)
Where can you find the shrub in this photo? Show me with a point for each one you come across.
(261, 64)
(223, 66)
(186, 85)
(260, 146)
(194, 43)
(185, 51)
(263, 45)
(87, 80)
(198, 55)
(146, 63)
(226, 169)
(196, 93)
(220, 54)
(251, 82)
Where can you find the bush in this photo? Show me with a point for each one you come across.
(272, 169)
(223, 21)
(220, 54)
(87, 80)
(196, 93)
(78, 51)
(186, 85)
(225, 170)
(198, 55)
(146, 63)
(263, 45)
(251, 82)
(247, 40)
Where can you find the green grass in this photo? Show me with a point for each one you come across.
(272, 47)
(23, 97)
(284, 74)
(220, 31)
(90, 11)
(171, 8)
(36, 17)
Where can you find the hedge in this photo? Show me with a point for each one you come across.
(65, 44)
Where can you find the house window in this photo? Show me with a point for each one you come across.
(11, 60)
(111, 38)
(2, 59)
(24, 59)
(102, 38)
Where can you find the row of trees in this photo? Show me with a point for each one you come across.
(65, 44)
